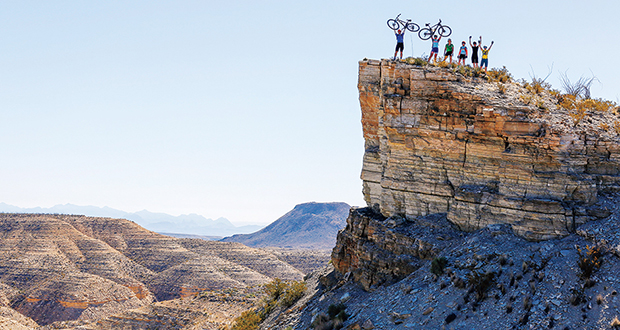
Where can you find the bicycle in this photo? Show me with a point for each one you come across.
(399, 24)
(427, 32)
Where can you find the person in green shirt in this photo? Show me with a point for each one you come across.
(448, 50)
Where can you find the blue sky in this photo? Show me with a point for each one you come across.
(236, 109)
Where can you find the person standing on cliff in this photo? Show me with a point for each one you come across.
(462, 53)
(435, 48)
(400, 42)
(448, 50)
(474, 51)
(485, 57)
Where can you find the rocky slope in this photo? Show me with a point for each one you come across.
(492, 279)
(440, 142)
(59, 267)
(309, 225)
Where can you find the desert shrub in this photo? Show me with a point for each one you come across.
(480, 283)
(334, 309)
(537, 86)
(615, 322)
(617, 127)
(579, 107)
(527, 99)
(443, 64)
(248, 320)
(468, 71)
(590, 260)
(335, 318)
(292, 293)
(275, 288)
(322, 322)
(579, 88)
(501, 88)
(416, 61)
(499, 75)
(438, 265)
(276, 292)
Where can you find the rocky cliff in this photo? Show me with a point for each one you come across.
(479, 209)
(440, 142)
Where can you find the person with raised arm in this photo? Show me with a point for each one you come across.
(485, 56)
(474, 51)
(400, 42)
(435, 48)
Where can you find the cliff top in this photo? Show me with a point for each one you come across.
(561, 112)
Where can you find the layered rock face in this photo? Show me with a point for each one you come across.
(375, 250)
(437, 142)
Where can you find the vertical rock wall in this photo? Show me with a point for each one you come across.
(437, 142)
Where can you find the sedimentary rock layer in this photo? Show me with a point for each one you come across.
(437, 142)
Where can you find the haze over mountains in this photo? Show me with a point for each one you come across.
(309, 225)
(159, 222)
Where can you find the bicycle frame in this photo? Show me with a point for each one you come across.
(399, 24)
(429, 31)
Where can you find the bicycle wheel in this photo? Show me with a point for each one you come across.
(425, 34)
(413, 27)
(445, 31)
(393, 24)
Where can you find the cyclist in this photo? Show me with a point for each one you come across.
(462, 53)
(474, 51)
(435, 48)
(485, 57)
(448, 50)
(400, 42)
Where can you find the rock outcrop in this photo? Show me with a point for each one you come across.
(309, 226)
(438, 142)
(376, 250)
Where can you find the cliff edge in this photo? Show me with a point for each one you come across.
(437, 141)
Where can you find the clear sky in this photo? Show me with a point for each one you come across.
(235, 109)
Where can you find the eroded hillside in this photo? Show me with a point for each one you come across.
(60, 267)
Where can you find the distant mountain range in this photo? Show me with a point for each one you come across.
(310, 225)
(193, 224)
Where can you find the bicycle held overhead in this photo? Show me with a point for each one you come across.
(399, 24)
(440, 29)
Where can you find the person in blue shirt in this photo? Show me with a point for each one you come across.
(400, 42)
(462, 53)
(435, 48)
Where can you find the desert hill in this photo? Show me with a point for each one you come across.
(309, 225)
(61, 267)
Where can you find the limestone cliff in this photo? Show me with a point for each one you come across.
(439, 142)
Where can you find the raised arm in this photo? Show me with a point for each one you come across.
(470, 45)
(491, 44)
